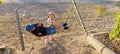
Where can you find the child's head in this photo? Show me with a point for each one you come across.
(51, 14)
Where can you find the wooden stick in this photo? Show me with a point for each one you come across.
(20, 30)
(80, 18)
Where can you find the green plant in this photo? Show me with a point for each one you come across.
(115, 33)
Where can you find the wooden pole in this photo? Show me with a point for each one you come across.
(100, 47)
(20, 30)
(80, 18)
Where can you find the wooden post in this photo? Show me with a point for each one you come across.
(8, 51)
(20, 30)
(100, 47)
(80, 18)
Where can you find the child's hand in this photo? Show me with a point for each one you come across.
(39, 24)
(39, 33)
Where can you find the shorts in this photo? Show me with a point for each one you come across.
(51, 30)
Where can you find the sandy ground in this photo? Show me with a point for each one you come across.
(72, 41)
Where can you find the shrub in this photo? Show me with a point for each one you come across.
(115, 33)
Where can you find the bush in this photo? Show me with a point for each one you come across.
(115, 33)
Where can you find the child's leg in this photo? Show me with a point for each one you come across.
(60, 28)
(46, 40)
(50, 38)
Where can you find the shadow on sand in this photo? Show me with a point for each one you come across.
(54, 48)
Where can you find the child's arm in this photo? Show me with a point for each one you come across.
(39, 24)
